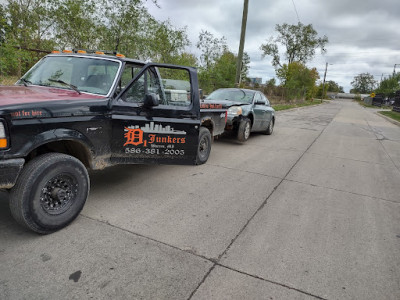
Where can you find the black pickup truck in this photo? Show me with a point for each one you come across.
(77, 111)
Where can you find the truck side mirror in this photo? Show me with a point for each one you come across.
(151, 100)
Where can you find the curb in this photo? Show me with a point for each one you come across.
(389, 119)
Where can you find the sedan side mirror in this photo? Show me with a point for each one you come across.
(151, 100)
(260, 102)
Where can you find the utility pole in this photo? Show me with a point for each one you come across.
(241, 45)
(394, 69)
(323, 84)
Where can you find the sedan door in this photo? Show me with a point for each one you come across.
(261, 115)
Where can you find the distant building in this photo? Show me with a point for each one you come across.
(254, 80)
(350, 96)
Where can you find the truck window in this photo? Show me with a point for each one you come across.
(90, 75)
(129, 72)
(176, 83)
(59, 70)
(171, 85)
(145, 84)
(100, 77)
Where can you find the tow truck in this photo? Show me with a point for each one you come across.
(74, 111)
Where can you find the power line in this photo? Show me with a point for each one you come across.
(295, 9)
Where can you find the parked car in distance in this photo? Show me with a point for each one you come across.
(249, 111)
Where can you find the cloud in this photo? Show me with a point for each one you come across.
(363, 34)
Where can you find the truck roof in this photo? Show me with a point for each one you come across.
(102, 56)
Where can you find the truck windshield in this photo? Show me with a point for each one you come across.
(86, 74)
(235, 95)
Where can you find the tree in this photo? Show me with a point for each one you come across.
(332, 86)
(224, 70)
(29, 22)
(245, 67)
(3, 24)
(24, 24)
(211, 48)
(300, 42)
(363, 83)
(167, 43)
(298, 79)
(127, 27)
(184, 59)
(221, 74)
(390, 85)
(77, 24)
(270, 87)
(218, 63)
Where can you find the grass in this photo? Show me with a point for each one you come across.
(366, 105)
(391, 114)
(278, 107)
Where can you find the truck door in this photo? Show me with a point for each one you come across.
(156, 118)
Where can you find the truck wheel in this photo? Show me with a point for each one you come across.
(270, 127)
(244, 130)
(50, 192)
(204, 147)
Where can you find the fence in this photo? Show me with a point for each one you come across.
(17, 61)
(396, 105)
(8, 80)
(280, 95)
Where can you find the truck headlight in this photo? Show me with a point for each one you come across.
(3, 136)
(235, 110)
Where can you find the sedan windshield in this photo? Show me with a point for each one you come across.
(235, 95)
(83, 74)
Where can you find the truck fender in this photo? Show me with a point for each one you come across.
(207, 122)
(60, 134)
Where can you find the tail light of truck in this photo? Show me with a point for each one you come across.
(3, 136)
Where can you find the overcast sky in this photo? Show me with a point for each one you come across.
(364, 35)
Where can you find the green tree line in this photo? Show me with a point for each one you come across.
(31, 28)
(365, 83)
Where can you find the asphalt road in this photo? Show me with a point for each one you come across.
(312, 211)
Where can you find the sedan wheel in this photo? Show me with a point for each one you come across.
(270, 128)
(244, 130)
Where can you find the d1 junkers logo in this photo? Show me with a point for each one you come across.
(133, 136)
(156, 133)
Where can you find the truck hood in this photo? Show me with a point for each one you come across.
(11, 95)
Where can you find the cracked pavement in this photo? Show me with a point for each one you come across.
(311, 212)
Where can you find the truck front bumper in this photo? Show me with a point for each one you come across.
(9, 171)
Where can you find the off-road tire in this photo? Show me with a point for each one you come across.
(244, 130)
(50, 192)
(204, 147)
